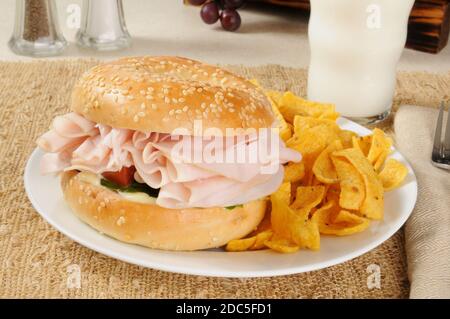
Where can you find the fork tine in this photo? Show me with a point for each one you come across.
(438, 134)
(447, 134)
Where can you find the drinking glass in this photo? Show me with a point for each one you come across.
(355, 47)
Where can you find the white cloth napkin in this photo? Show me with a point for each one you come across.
(427, 232)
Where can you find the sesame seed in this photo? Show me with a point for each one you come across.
(102, 204)
(185, 108)
(141, 114)
(136, 118)
(143, 106)
(120, 221)
(154, 106)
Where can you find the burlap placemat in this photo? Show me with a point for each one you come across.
(36, 260)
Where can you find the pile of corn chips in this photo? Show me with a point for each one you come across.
(336, 189)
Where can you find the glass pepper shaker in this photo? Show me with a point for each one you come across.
(103, 26)
(36, 30)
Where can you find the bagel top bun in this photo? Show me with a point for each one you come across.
(161, 94)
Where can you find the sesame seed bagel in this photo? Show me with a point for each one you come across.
(161, 94)
(154, 226)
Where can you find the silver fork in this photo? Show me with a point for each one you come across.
(441, 148)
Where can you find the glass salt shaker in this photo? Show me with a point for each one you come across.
(103, 26)
(36, 31)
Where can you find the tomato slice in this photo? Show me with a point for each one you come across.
(123, 178)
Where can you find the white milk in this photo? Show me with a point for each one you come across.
(355, 47)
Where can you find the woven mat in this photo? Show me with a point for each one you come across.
(35, 259)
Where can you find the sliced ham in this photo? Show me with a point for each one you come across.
(73, 125)
(221, 172)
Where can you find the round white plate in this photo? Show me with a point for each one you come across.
(45, 194)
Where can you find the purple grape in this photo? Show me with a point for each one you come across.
(232, 4)
(210, 13)
(230, 20)
(197, 2)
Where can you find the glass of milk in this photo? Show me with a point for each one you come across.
(355, 48)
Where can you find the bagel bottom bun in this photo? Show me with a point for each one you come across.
(154, 226)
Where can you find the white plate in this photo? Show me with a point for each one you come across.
(46, 196)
